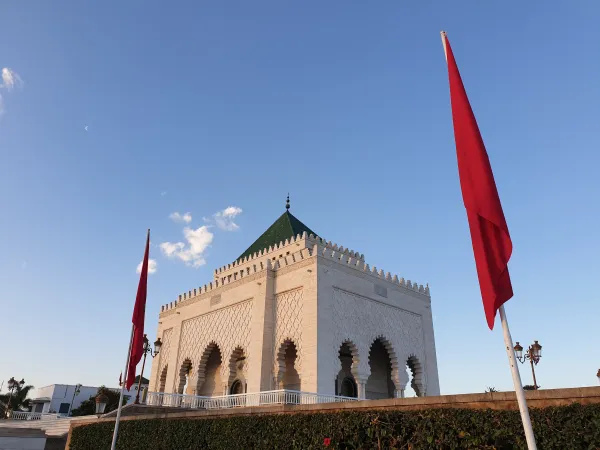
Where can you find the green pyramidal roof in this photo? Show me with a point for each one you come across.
(283, 228)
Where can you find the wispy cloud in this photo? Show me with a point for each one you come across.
(10, 80)
(163, 193)
(225, 219)
(176, 217)
(191, 252)
(152, 266)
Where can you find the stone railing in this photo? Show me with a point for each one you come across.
(278, 397)
(24, 415)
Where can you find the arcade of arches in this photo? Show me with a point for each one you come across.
(379, 384)
(209, 381)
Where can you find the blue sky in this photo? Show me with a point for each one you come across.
(199, 106)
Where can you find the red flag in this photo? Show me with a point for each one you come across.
(139, 310)
(492, 245)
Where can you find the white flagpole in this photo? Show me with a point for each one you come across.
(114, 439)
(514, 369)
(443, 35)
(510, 351)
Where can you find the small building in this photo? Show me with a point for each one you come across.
(57, 398)
(297, 312)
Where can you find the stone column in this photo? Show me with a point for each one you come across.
(400, 379)
(422, 389)
(361, 387)
(262, 329)
(399, 393)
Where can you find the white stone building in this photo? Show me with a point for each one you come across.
(63, 398)
(296, 312)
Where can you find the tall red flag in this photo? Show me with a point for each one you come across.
(492, 245)
(139, 311)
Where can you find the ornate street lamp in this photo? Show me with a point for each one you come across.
(147, 350)
(533, 354)
(101, 402)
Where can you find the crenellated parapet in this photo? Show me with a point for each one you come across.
(283, 248)
(287, 253)
(212, 288)
(359, 264)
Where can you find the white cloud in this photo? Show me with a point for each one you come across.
(191, 252)
(10, 79)
(151, 266)
(225, 219)
(176, 217)
(170, 249)
(163, 193)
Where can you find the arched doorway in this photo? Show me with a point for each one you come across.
(185, 372)
(379, 383)
(288, 377)
(348, 388)
(345, 384)
(209, 373)
(236, 388)
(415, 387)
(237, 371)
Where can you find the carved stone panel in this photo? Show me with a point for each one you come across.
(228, 327)
(163, 356)
(288, 323)
(361, 320)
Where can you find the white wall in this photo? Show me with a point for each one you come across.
(63, 393)
(361, 306)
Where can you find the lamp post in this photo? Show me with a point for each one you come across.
(13, 385)
(533, 354)
(147, 350)
(101, 402)
(75, 392)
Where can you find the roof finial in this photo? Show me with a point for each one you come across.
(287, 203)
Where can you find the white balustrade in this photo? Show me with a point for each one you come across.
(278, 397)
(24, 415)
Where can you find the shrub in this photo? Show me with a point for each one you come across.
(88, 407)
(565, 427)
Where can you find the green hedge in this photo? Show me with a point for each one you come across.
(571, 427)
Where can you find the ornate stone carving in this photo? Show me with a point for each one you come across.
(163, 356)
(361, 320)
(228, 328)
(288, 325)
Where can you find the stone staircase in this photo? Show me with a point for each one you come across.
(52, 427)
